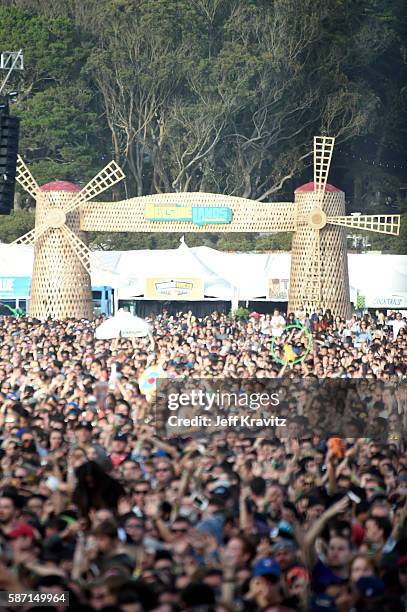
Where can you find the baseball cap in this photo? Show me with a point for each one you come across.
(370, 586)
(121, 436)
(212, 526)
(283, 529)
(12, 396)
(22, 530)
(84, 425)
(267, 567)
(221, 491)
(323, 603)
(284, 545)
(73, 414)
(160, 453)
(297, 572)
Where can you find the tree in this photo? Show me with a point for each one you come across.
(235, 242)
(214, 95)
(61, 134)
(15, 225)
(137, 68)
(390, 244)
(273, 242)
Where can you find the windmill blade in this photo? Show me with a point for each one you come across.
(25, 178)
(323, 149)
(382, 224)
(106, 178)
(81, 250)
(32, 236)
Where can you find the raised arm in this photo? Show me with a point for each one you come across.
(316, 529)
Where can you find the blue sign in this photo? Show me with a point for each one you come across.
(12, 287)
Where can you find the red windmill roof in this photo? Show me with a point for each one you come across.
(60, 186)
(310, 187)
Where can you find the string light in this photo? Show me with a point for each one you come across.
(372, 162)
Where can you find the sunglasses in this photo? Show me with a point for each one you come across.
(141, 492)
(179, 530)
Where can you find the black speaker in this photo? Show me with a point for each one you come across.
(9, 131)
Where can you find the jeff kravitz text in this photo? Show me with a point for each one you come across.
(229, 421)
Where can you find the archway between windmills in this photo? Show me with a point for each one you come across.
(64, 214)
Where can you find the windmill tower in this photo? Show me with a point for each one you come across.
(60, 285)
(319, 270)
(319, 262)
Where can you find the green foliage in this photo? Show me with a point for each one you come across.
(274, 242)
(213, 95)
(236, 242)
(390, 244)
(15, 225)
(240, 313)
(67, 145)
(61, 132)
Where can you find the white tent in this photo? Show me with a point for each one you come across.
(381, 279)
(135, 267)
(16, 260)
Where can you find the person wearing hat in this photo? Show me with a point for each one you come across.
(83, 433)
(298, 583)
(83, 437)
(119, 453)
(265, 585)
(322, 602)
(369, 590)
(22, 543)
(285, 553)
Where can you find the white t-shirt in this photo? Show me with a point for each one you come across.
(277, 325)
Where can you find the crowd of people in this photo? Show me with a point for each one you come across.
(98, 503)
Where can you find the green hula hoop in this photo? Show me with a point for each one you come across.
(301, 357)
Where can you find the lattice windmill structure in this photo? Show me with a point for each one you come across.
(60, 286)
(319, 270)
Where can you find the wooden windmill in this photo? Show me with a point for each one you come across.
(319, 270)
(60, 286)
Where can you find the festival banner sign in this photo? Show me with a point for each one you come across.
(389, 299)
(278, 289)
(170, 288)
(13, 287)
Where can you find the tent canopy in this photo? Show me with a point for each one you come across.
(224, 276)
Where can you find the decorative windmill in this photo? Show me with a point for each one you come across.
(319, 269)
(60, 286)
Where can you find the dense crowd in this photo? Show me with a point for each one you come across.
(96, 502)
